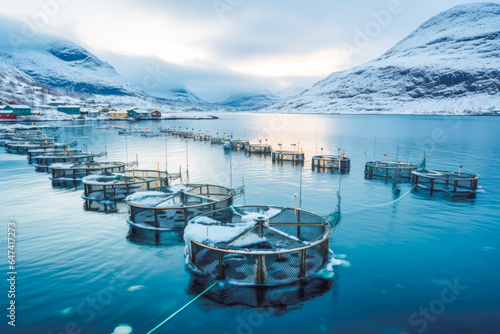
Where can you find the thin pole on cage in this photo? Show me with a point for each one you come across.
(231, 169)
(397, 152)
(126, 149)
(244, 191)
(187, 161)
(300, 187)
(341, 143)
(316, 142)
(166, 154)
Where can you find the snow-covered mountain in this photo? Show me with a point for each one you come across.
(450, 64)
(250, 100)
(69, 69)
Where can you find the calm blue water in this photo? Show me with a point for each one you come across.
(80, 272)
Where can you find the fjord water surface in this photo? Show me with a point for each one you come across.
(80, 270)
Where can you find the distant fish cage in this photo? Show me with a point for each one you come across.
(217, 141)
(237, 145)
(171, 209)
(437, 180)
(111, 188)
(31, 154)
(77, 171)
(24, 147)
(202, 137)
(389, 169)
(293, 156)
(42, 163)
(258, 149)
(331, 162)
(186, 134)
(258, 245)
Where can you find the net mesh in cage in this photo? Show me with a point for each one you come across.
(77, 171)
(389, 169)
(171, 208)
(257, 245)
(436, 180)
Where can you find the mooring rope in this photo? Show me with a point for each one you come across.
(182, 308)
(377, 205)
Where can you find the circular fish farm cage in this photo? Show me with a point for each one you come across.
(389, 169)
(24, 147)
(43, 163)
(258, 149)
(437, 180)
(257, 245)
(332, 163)
(291, 156)
(237, 145)
(31, 154)
(217, 140)
(202, 136)
(171, 209)
(108, 189)
(77, 171)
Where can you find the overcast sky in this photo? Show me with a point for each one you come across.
(219, 47)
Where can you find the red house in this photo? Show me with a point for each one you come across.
(7, 114)
(156, 114)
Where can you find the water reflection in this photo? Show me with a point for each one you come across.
(275, 299)
(142, 236)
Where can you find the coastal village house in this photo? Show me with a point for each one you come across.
(18, 110)
(138, 113)
(70, 110)
(7, 114)
(118, 114)
(156, 114)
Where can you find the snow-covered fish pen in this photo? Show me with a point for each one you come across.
(107, 189)
(31, 154)
(150, 134)
(77, 171)
(24, 147)
(171, 208)
(293, 156)
(332, 163)
(43, 163)
(437, 180)
(389, 169)
(258, 149)
(237, 145)
(261, 245)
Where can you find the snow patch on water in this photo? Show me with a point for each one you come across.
(122, 329)
(135, 288)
